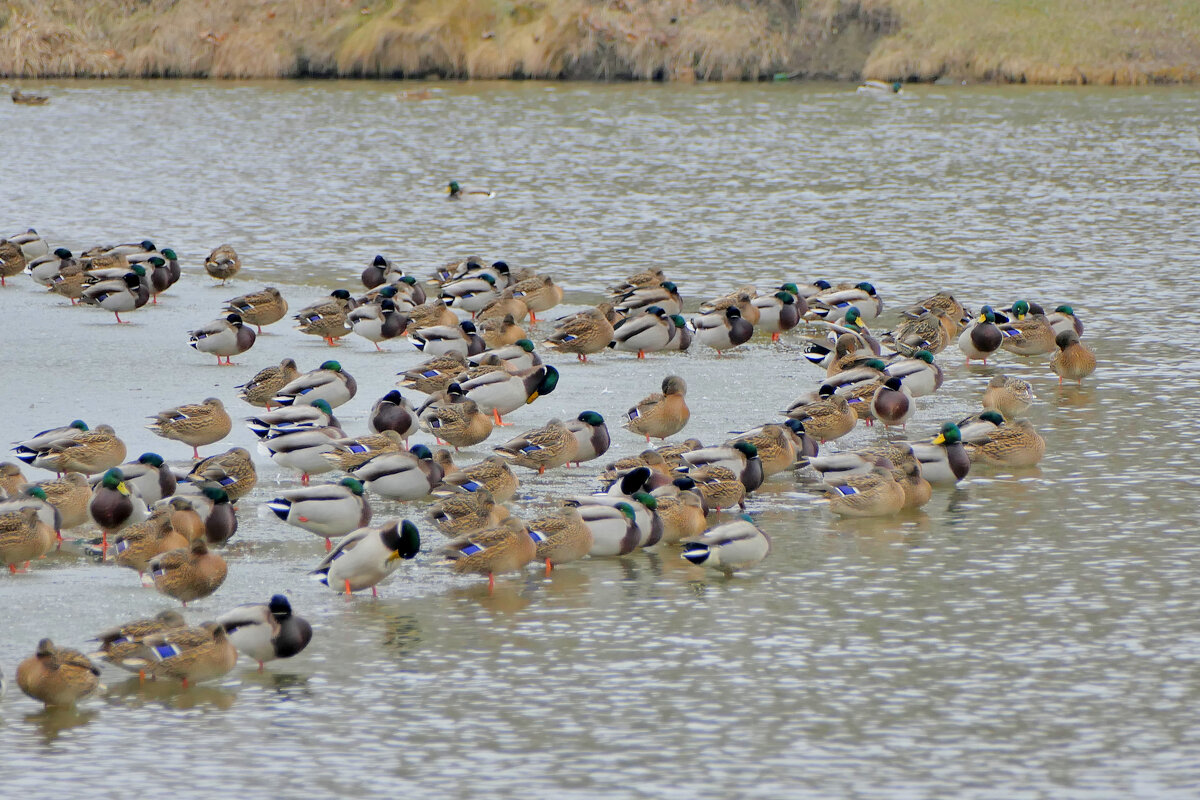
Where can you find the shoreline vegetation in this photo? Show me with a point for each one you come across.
(1008, 41)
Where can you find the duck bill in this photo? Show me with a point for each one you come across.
(532, 397)
(939, 439)
(122, 488)
(392, 556)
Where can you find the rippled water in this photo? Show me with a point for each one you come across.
(1025, 635)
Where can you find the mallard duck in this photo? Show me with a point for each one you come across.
(778, 313)
(890, 404)
(351, 452)
(505, 305)
(223, 263)
(492, 474)
(501, 392)
(113, 506)
(377, 322)
(459, 512)
(865, 494)
(943, 300)
(118, 294)
(1074, 360)
(57, 676)
(743, 298)
(70, 495)
(1015, 444)
(223, 338)
(978, 428)
(291, 419)
(982, 338)
(69, 281)
(327, 318)
(643, 300)
(431, 314)
(454, 191)
(723, 330)
(441, 339)
(919, 374)
(933, 332)
(221, 523)
(660, 414)
(24, 99)
(302, 449)
(123, 641)
(1030, 334)
(639, 280)
(681, 509)
(266, 631)
(736, 545)
(880, 89)
(1063, 319)
(138, 543)
(583, 334)
(502, 332)
(264, 307)
(378, 272)
(328, 510)
(827, 416)
(777, 445)
(458, 422)
(471, 293)
(1008, 395)
(645, 333)
(515, 357)
(32, 244)
(401, 476)
(150, 477)
(368, 555)
(612, 527)
(328, 382)
(917, 490)
(591, 436)
(23, 536)
(88, 452)
(188, 573)
(833, 305)
(31, 449)
(943, 459)
(561, 537)
(196, 424)
(538, 294)
(864, 373)
(185, 519)
(393, 413)
(551, 445)
(189, 655)
(719, 486)
(506, 548)
(12, 260)
(261, 389)
(741, 458)
(435, 374)
(11, 478)
(43, 268)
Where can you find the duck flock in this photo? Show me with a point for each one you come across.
(478, 327)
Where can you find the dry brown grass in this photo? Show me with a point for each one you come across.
(1103, 41)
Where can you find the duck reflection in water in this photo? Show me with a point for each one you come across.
(52, 721)
(400, 631)
(172, 694)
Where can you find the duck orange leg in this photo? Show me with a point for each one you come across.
(501, 423)
(549, 567)
(347, 582)
(491, 583)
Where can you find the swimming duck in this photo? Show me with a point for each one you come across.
(377, 322)
(223, 338)
(328, 510)
(645, 333)
(352, 451)
(223, 263)
(1008, 395)
(561, 536)
(189, 655)
(880, 89)
(833, 304)
(551, 445)
(1030, 334)
(865, 494)
(538, 293)
(827, 416)
(722, 331)
(188, 574)
(508, 547)
(660, 414)
(455, 191)
(118, 294)
(492, 474)
(741, 458)
(459, 512)
(393, 413)
(57, 676)
(501, 392)
(458, 422)
(890, 404)
(266, 631)
(401, 476)
(1015, 444)
(23, 536)
(123, 641)
(261, 389)
(440, 339)
(982, 338)
(664, 296)
(435, 374)
(919, 374)
(943, 459)
(778, 313)
(736, 545)
(591, 436)
(328, 382)
(196, 424)
(502, 332)
(136, 544)
(113, 506)
(583, 334)
(365, 557)
(1074, 360)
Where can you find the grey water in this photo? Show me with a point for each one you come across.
(1027, 634)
